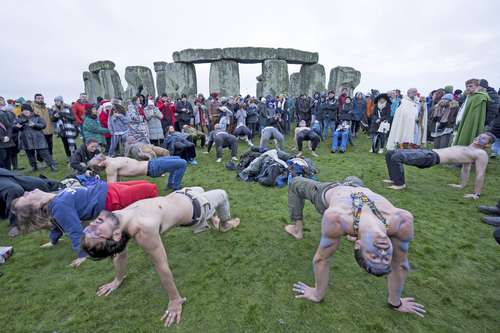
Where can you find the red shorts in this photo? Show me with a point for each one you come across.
(122, 194)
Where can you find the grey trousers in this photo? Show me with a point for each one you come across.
(269, 133)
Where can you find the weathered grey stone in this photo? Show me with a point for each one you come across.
(175, 79)
(100, 65)
(274, 77)
(249, 55)
(295, 86)
(343, 77)
(92, 85)
(258, 89)
(224, 78)
(312, 79)
(111, 83)
(293, 56)
(137, 76)
(246, 55)
(197, 56)
(159, 66)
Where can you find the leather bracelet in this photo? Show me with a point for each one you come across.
(392, 306)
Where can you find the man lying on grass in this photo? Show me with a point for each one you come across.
(145, 221)
(64, 211)
(425, 158)
(382, 231)
(124, 167)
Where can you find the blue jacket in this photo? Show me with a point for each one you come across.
(72, 205)
(171, 139)
(359, 109)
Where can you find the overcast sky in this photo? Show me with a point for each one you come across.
(46, 45)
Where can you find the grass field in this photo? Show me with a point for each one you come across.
(241, 281)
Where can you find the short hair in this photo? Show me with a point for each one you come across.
(38, 94)
(377, 270)
(90, 140)
(491, 136)
(472, 81)
(29, 218)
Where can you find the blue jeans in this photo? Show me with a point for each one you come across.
(344, 135)
(327, 124)
(174, 165)
(115, 140)
(495, 147)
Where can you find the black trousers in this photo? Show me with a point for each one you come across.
(48, 138)
(195, 139)
(308, 136)
(395, 159)
(34, 154)
(185, 150)
(5, 161)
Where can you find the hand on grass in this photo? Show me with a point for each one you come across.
(173, 313)
(408, 305)
(77, 262)
(455, 185)
(106, 289)
(302, 290)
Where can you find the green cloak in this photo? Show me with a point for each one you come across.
(472, 123)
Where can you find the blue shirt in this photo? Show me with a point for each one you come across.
(72, 205)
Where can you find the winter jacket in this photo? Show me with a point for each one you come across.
(103, 120)
(79, 159)
(118, 124)
(78, 109)
(346, 112)
(358, 109)
(137, 126)
(171, 139)
(379, 116)
(153, 117)
(7, 119)
(492, 105)
(184, 111)
(31, 137)
(92, 129)
(252, 115)
(43, 112)
(168, 112)
(329, 109)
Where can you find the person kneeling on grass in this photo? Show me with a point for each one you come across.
(145, 221)
(382, 232)
(142, 151)
(425, 158)
(64, 211)
(126, 167)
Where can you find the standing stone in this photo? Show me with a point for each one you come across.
(295, 87)
(175, 79)
(137, 76)
(224, 78)
(274, 77)
(93, 87)
(343, 77)
(259, 87)
(111, 84)
(97, 66)
(312, 79)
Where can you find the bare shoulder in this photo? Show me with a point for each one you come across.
(403, 225)
(331, 225)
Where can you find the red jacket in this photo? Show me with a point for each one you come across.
(103, 119)
(79, 112)
(168, 111)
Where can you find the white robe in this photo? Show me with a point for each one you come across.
(404, 126)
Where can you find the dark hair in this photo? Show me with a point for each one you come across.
(88, 109)
(38, 94)
(374, 269)
(29, 218)
(90, 140)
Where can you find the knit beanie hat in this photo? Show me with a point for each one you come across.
(26, 106)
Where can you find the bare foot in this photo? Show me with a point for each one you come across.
(387, 181)
(216, 222)
(397, 187)
(231, 224)
(294, 231)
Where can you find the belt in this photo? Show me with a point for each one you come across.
(196, 209)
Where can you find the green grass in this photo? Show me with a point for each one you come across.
(241, 281)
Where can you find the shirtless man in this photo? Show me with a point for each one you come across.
(127, 167)
(145, 221)
(143, 151)
(424, 158)
(382, 232)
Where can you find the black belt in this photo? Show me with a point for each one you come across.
(196, 210)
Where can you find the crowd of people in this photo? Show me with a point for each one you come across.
(150, 137)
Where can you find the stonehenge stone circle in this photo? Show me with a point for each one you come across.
(179, 77)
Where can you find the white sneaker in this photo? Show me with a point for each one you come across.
(371, 150)
(313, 153)
(234, 158)
(219, 160)
(381, 151)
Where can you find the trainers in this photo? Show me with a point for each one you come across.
(371, 150)
(333, 151)
(299, 154)
(52, 168)
(313, 153)
(234, 158)
(381, 151)
(218, 160)
(193, 162)
(13, 232)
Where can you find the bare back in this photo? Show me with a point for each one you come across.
(125, 167)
